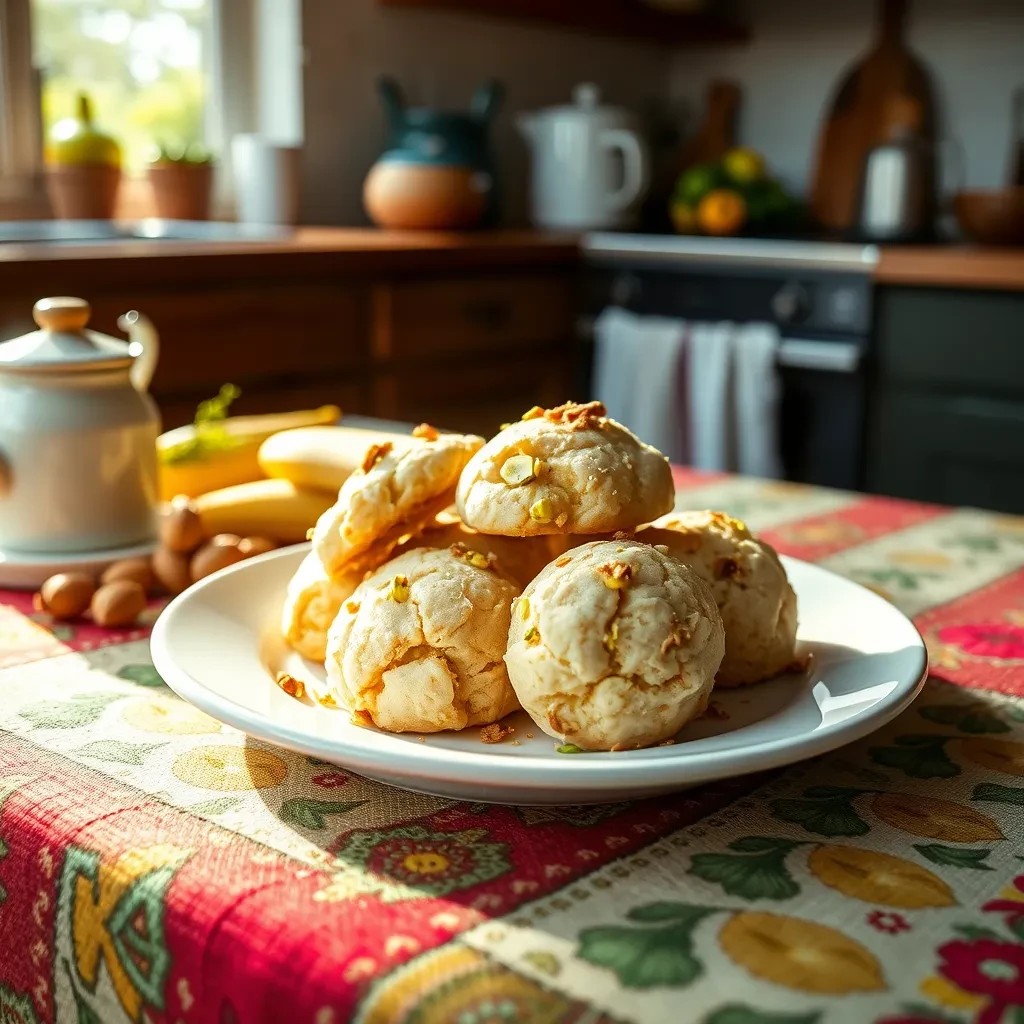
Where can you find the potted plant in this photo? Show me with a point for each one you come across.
(83, 167)
(182, 182)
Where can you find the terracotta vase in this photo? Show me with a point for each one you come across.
(83, 191)
(181, 191)
(436, 171)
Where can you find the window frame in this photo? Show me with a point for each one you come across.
(232, 70)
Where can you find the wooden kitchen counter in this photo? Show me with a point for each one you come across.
(951, 266)
(317, 250)
(465, 330)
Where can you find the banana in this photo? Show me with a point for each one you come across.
(321, 457)
(263, 508)
(195, 460)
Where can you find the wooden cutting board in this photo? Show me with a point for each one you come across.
(858, 117)
(717, 131)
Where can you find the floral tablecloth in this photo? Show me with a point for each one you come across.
(157, 866)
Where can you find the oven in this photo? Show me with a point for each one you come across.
(819, 295)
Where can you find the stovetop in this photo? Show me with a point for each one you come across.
(810, 253)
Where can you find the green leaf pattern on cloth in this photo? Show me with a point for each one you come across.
(645, 957)
(756, 870)
(974, 718)
(143, 675)
(920, 757)
(118, 750)
(824, 810)
(82, 709)
(734, 1013)
(993, 792)
(312, 814)
(955, 856)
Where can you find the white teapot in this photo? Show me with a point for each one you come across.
(78, 432)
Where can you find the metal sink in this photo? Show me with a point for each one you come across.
(91, 232)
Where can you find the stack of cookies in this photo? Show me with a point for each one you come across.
(561, 582)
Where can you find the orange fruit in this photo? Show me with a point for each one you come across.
(721, 212)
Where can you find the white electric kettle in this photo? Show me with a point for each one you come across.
(591, 167)
(78, 432)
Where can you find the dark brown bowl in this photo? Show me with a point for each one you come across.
(992, 216)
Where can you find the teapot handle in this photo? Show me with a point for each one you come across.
(145, 346)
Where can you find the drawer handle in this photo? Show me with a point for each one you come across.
(489, 313)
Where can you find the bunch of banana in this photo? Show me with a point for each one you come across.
(265, 476)
(218, 450)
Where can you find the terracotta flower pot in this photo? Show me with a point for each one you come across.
(181, 191)
(83, 191)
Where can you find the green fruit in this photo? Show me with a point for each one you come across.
(76, 140)
(696, 182)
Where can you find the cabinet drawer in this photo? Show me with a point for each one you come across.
(952, 339)
(963, 450)
(426, 318)
(245, 334)
(497, 391)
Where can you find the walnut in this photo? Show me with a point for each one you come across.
(292, 686)
(496, 732)
(374, 454)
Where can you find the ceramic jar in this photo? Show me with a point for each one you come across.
(436, 172)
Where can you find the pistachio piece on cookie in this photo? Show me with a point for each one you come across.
(614, 646)
(395, 493)
(568, 470)
(518, 558)
(419, 646)
(750, 586)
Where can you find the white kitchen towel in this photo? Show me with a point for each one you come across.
(638, 374)
(709, 403)
(757, 391)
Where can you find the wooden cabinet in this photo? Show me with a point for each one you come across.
(462, 343)
(947, 411)
(473, 352)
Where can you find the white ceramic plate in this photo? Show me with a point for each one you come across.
(217, 646)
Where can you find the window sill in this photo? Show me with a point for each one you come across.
(27, 200)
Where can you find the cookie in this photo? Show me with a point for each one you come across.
(518, 558)
(614, 645)
(394, 493)
(567, 470)
(311, 602)
(418, 646)
(753, 594)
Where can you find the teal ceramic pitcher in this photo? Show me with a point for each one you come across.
(437, 170)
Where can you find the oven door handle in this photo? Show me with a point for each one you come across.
(829, 356)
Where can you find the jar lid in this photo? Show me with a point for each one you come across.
(62, 343)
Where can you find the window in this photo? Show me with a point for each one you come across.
(145, 64)
(158, 72)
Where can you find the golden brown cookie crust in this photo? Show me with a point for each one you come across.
(393, 494)
(569, 470)
(753, 594)
(418, 647)
(614, 645)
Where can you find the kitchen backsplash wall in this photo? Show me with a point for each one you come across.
(974, 51)
(440, 58)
